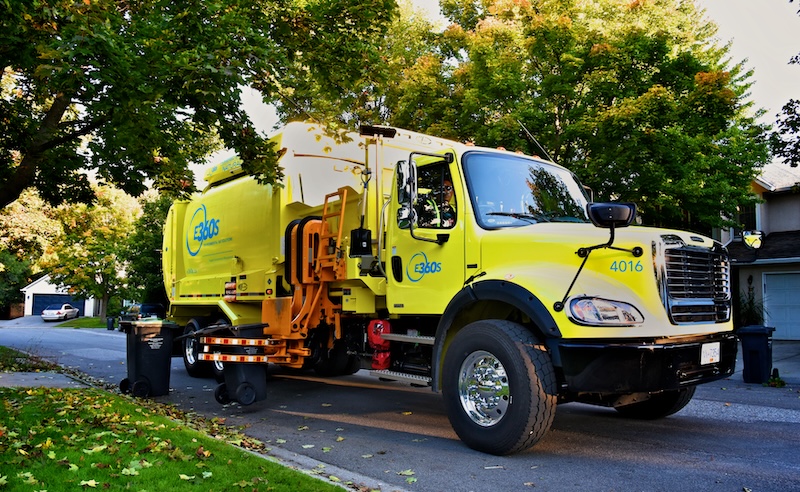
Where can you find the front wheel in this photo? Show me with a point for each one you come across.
(499, 387)
(658, 406)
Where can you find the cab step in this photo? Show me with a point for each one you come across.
(399, 337)
(403, 377)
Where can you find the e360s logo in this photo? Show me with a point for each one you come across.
(200, 229)
(419, 266)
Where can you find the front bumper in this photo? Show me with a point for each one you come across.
(625, 366)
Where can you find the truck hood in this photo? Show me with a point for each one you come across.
(543, 259)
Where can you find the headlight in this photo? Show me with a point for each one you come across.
(603, 312)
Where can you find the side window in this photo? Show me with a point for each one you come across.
(436, 203)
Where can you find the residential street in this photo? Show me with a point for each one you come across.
(732, 437)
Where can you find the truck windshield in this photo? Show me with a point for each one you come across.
(513, 191)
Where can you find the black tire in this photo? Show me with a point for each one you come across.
(141, 388)
(658, 406)
(194, 367)
(246, 394)
(221, 394)
(334, 362)
(523, 381)
(353, 365)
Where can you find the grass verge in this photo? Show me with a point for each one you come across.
(14, 361)
(71, 439)
(85, 322)
(59, 439)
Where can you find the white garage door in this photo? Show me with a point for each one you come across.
(782, 304)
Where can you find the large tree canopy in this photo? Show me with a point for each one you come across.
(138, 89)
(634, 97)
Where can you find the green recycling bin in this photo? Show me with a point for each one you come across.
(149, 349)
(756, 353)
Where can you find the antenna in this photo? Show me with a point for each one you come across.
(535, 142)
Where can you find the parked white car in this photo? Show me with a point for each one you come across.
(55, 312)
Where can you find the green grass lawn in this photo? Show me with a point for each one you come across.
(85, 322)
(84, 439)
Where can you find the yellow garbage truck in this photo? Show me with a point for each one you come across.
(485, 274)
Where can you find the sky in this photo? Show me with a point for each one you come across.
(765, 33)
(762, 32)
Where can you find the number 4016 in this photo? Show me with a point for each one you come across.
(627, 266)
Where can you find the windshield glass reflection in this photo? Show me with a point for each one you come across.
(512, 191)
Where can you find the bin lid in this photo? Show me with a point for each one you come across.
(756, 330)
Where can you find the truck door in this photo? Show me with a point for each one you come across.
(425, 238)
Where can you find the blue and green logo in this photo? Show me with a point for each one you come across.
(200, 230)
(419, 266)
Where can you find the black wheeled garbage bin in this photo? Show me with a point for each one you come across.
(756, 353)
(244, 382)
(149, 347)
(109, 323)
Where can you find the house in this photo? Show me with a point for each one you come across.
(772, 273)
(41, 293)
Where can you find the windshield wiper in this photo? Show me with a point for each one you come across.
(517, 215)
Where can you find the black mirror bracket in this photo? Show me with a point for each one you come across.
(584, 253)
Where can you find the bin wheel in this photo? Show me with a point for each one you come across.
(246, 394)
(125, 386)
(221, 394)
(141, 388)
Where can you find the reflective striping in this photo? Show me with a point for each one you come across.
(231, 358)
(250, 342)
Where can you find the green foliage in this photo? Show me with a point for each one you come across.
(142, 252)
(26, 232)
(56, 439)
(14, 274)
(140, 89)
(88, 257)
(785, 141)
(748, 310)
(27, 229)
(381, 67)
(634, 97)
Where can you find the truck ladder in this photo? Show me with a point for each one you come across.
(328, 266)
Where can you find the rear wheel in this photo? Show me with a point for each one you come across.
(191, 348)
(658, 406)
(499, 387)
(217, 369)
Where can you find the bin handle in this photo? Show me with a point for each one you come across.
(219, 327)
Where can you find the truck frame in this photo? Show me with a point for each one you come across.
(487, 275)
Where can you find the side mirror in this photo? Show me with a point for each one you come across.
(406, 182)
(611, 215)
(752, 239)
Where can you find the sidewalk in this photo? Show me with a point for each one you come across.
(36, 379)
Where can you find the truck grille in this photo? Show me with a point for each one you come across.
(695, 283)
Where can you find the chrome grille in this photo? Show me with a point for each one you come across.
(697, 282)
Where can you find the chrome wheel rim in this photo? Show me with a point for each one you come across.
(483, 388)
(190, 350)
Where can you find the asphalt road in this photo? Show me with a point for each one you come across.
(731, 437)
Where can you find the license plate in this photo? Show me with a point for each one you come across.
(709, 353)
